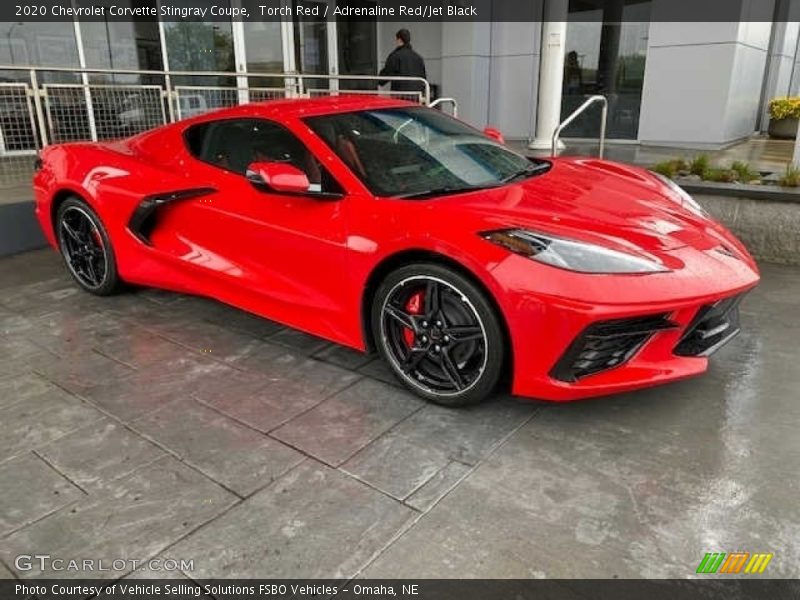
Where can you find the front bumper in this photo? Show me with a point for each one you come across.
(617, 335)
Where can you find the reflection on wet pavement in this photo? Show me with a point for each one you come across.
(158, 424)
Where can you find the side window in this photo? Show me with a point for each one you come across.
(232, 144)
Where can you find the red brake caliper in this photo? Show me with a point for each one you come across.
(413, 307)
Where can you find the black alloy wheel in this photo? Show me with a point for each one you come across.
(86, 248)
(439, 334)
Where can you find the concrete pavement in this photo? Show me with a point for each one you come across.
(158, 425)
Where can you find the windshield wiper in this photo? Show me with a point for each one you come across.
(526, 172)
(441, 191)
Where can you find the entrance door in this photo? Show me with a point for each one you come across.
(357, 48)
(314, 42)
(308, 44)
(606, 54)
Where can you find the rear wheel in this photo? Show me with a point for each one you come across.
(86, 248)
(439, 333)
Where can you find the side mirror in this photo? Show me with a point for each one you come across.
(495, 134)
(278, 176)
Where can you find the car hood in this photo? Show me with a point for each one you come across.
(611, 204)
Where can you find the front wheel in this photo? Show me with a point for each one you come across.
(439, 333)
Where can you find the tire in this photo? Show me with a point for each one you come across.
(86, 248)
(439, 334)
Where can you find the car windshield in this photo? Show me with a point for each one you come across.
(418, 152)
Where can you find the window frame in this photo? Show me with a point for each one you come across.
(263, 188)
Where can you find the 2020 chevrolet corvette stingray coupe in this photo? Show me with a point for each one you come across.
(381, 224)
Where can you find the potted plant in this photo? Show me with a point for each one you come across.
(784, 113)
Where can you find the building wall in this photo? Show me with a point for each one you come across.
(514, 77)
(491, 69)
(703, 81)
(466, 49)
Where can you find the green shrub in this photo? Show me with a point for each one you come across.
(785, 108)
(790, 177)
(699, 165)
(720, 175)
(743, 171)
(670, 168)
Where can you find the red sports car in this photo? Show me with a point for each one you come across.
(381, 224)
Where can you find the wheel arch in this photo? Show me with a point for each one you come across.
(58, 198)
(404, 257)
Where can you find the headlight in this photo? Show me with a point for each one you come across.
(570, 254)
(687, 201)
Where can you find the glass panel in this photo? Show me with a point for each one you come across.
(112, 44)
(40, 44)
(234, 144)
(311, 42)
(606, 51)
(200, 46)
(262, 46)
(357, 48)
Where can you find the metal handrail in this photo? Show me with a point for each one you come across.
(452, 101)
(603, 116)
(299, 76)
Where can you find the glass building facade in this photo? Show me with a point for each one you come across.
(611, 48)
(606, 54)
(307, 46)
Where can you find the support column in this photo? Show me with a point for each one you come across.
(551, 72)
(240, 56)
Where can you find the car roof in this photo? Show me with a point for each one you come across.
(276, 110)
(304, 107)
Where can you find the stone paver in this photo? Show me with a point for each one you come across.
(140, 392)
(215, 341)
(299, 341)
(241, 459)
(152, 424)
(134, 518)
(337, 428)
(31, 490)
(5, 573)
(232, 318)
(81, 370)
(100, 453)
(40, 419)
(21, 388)
(396, 465)
(466, 435)
(437, 486)
(344, 357)
(314, 520)
(19, 356)
(279, 384)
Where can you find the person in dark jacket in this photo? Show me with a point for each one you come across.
(404, 61)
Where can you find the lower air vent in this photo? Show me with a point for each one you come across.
(713, 326)
(607, 344)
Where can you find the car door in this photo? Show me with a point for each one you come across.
(280, 255)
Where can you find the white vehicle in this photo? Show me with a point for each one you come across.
(190, 105)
